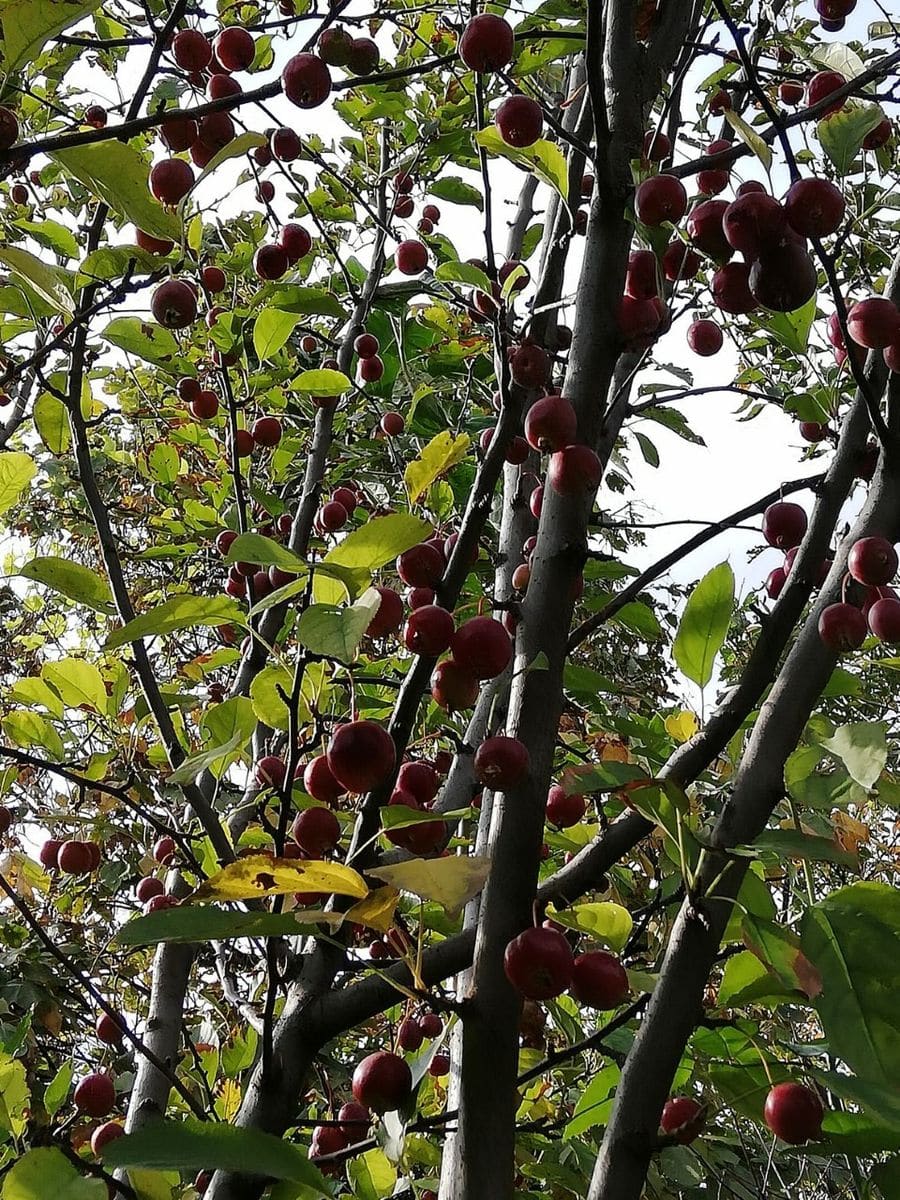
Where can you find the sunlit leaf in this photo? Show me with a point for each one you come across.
(260, 875)
(450, 882)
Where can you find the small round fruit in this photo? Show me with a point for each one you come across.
(191, 50)
(752, 222)
(409, 1035)
(842, 627)
(327, 1139)
(96, 116)
(266, 431)
(270, 261)
(814, 207)
(389, 615)
(440, 1066)
(563, 809)
(520, 121)
(791, 92)
(164, 851)
(878, 136)
(271, 771)
(316, 831)
(306, 81)
(794, 1113)
(364, 56)
(487, 43)
(382, 1082)
(813, 431)
(872, 561)
(361, 755)
(575, 470)
(705, 227)
(705, 338)
(392, 424)
(784, 524)
(641, 282)
(550, 423)
(170, 180)
(539, 963)
(599, 980)
(482, 647)
(657, 146)
(285, 144)
(95, 1095)
(235, 48)
(108, 1030)
(48, 855)
(660, 198)
(356, 1117)
(419, 779)
(501, 763)
(874, 323)
(680, 262)
(529, 365)
(174, 304)
(148, 887)
(431, 1024)
(823, 85)
(366, 345)
(775, 582)
(453, 687)
(295, 241)
(319, 782)
(421, 566)
(683, 1119)
(104, 1134)
(411, 257)
(428, 630)
(9, 127)
(884, 620)
(371, 369)
(75, 858)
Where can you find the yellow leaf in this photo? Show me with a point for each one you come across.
(264, 875)
(154, 1185)
(376, 911)
(442, 452)
(681, 725)
(228, 1100)
(449, 882)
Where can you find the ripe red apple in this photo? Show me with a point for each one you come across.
(657, 147)
(170, 180)
(482, 647)
(270, 261)
(775, 582)
(327, 1139)
(705, 229)
(306, 81)
(389, 615)
(366, 345)
(319, 782)
(813, 431)
(705, 338)
(783, 279)
(220, 86)
(95, 1095)
(791, 92)
(638, 320)
(487, 43)
(191, 50)
(752, 222)
(409, 1035)
(794, 1113)
(680, 262)
(660, 198)
(361, 755)
(382, 1082)
(453, 687)
(884, 620)
(714, 180)
(814, 207)
(421, 566)
(529, 365)
(174, 304)
(575, 471)
(364, 56)
(563, 809)
(539, 963)
(420, 779)
(235, 48)
(148, 887)
(683, 1119)
(411, 257)
(874, 323)
(151, 244)
(49, 854)
(878, 136)
(270, 770)
(872, 561)
(356, 1118)
(842, 627)
(501, 762)
(75, 858)
(550, 423)
(334, 46)
(822, 85)
(730, 288)
(103, 1135)
(642, 281)
(316, 831)
(784, 524)
(286, 144)
(519, 120)
(431, 1024)
(295, 241)
(428, 630)
(599, 980)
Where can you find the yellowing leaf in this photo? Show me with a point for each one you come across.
(263, 875)
(450, 882)
(228, 1100)
(681, 725)
(52, 284)
(542, 158)
(28, 24)
(442, 452)
(608, 923)
(77, 682)
(376, 911)
(750, 137)
(17, 470)
(322, 382)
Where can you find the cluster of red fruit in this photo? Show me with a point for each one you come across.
(72, 857)
(873, 324)
(540, 964)
(872, 562)
(792, 1111)
(404, 206)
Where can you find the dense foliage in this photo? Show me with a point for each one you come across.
(370, 822)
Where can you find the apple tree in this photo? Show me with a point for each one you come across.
(379, 816)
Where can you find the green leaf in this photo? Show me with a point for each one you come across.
(28, 24)
(46, 1173)
(33, 691)
(51, 235)
(266, 698)
(148, 341)
(229, 727)
(242, 144)
(881, 1101)
(118, 174)
(595, 1102)
(606, 922)
(52, 284)
(886, 1177)
(181, 612)
(271, 330)
(199, 924)
(704, 624)
(853, 939)
(842, 133)
(71, 580)
(862, 748)
(379, 542)
(28, 729)
(253, 547)
(600, 777)
(207, 1145)
(17, 469)
(52, 423)
(442, 452)
(791, 329)
(779, 950)
(750, 137)
(791, 843)
(372, 1175)
(457, 191)
(461, 272)
(542, 158)
(322, 382)
(531, 241)
(14, 1095)
(111, 262)
(307, 301)
(641, 618)
(58, 1088)
(337, 632)
(77, 682)
(746, 981)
